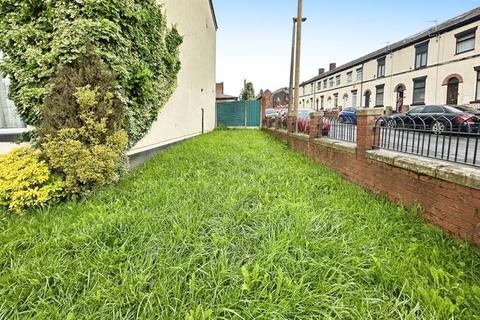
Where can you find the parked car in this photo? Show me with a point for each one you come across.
(348, 115)
(438, 119)
(270, 113)
(303, 122)
(468, 109)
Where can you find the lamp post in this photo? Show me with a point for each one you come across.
(297, 55)
(292, 65)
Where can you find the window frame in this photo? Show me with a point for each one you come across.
(466, 35)
(350, 77)
(338, 80)
(420, 50)
(381, 66)
(415, 82)
(354, 95)
(382, 87)
(359, 74)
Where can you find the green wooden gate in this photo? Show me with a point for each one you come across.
(238, 114)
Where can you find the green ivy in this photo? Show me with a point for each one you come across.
(131, 36)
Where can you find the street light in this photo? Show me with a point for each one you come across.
(292, 65)
(297, 55)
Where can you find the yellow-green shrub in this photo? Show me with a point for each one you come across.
(26, 181)
(91, 154)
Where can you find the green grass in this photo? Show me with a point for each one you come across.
(233, 225)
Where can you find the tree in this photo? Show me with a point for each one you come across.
(247, 93)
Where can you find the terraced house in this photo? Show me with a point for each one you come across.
(191, 109)
(438, 66)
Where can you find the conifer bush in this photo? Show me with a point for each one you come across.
(81, 131)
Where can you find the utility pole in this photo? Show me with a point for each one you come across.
(292, 66)
(297, 56)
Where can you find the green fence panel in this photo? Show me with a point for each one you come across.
(231, 114)
(238, 114)
(253, 114)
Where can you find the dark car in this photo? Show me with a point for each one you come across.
(348, 115)
(468, 109)
(438, 119)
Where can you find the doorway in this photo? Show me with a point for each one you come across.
(367, 99)
(400, 98)
(452, 92)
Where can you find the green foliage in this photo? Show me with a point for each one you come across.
(231, 225)
(90, 154)
(130, 36)
(61, 108)
(26, 181)
(248, 92)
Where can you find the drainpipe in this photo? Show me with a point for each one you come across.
(361, 86)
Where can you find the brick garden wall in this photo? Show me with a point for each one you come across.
(452, 203)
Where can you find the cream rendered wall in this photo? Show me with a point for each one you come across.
(442, 62)
(181, 117)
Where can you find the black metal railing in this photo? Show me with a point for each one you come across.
(284, 124)
(449, 137)
(344, 129)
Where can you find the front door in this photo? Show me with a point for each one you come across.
(400, 96)
(452, 92)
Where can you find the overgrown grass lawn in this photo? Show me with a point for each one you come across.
(233, 225)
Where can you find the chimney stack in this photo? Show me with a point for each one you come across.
(219, 88)
(321, 71)
(333, 65)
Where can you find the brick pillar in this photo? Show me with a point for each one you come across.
(316, 125)
(292, 123)
(269, 122)
(278, 122)
(366, 119)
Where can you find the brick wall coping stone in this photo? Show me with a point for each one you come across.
(456, 173)
(336, 144)
(300, 136)
(370, 112)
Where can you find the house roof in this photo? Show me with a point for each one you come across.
(225, 96)
(281, 90)
(212, 8)
(461, 20)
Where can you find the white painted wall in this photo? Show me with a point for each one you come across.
(181, 118)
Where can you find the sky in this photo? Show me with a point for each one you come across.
(255, 36)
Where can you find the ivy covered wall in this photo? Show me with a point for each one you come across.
(131, 36)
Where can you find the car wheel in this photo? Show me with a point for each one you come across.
(438, 127)
(391, 123)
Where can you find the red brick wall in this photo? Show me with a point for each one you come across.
(453, 207)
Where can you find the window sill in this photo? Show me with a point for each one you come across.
(379, 106)
(420, 68)
(11, 134)
(459, 53)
